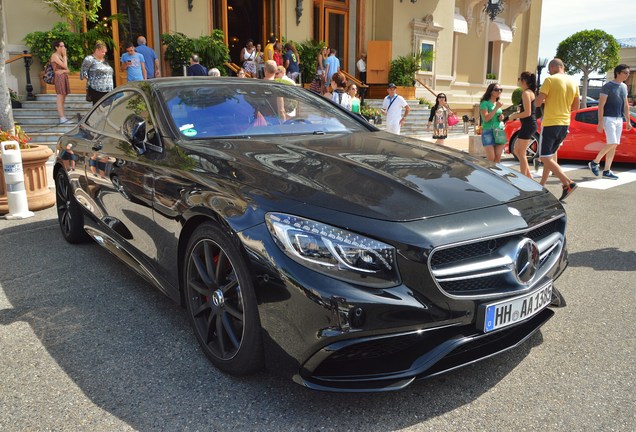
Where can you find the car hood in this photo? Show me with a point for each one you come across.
(371, 174)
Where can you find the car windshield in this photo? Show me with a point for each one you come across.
(253, 109)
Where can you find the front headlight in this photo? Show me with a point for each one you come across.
(333, 251)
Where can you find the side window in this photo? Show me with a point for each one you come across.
(97, 118)
(124, 104)
(589, 117)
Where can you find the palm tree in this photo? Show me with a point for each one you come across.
(6, 112)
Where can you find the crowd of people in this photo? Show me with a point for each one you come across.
(558, 95)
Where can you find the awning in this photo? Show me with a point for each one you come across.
(499, 31)
(460, 25)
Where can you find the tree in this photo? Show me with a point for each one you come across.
(76, 11)
(6, 112)
(588, 51)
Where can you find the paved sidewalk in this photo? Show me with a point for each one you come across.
(457, 141)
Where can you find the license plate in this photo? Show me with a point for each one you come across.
(507, 312)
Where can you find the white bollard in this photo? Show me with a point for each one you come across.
(14, 181)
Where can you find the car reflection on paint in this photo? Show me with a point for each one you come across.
(300, 238)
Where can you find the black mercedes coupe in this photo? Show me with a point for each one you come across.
(299, 237)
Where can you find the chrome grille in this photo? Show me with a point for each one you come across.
(487, 268)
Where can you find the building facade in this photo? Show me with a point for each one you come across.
(470, 50)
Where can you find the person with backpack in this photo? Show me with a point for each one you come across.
(339, 93)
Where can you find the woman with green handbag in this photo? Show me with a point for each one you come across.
(493, 136)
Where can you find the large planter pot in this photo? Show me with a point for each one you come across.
(407, 93)
(39, 196)
(77, 85)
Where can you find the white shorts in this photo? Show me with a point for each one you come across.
(613, 129)
(393, 128)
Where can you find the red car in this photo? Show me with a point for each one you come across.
(583, 142)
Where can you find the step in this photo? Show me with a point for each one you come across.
(44, 112)
(85, 106)
(41, 121)
(53, 97)
(49, 134)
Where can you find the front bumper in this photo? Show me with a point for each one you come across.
(330, 335)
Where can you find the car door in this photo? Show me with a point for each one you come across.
(83, 144)
(121, 176)
(583, 141)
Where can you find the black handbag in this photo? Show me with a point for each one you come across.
(88, 95)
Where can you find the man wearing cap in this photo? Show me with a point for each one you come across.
(392, 106)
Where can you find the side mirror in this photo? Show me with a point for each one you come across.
(134, 129)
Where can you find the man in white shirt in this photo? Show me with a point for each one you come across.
(361, 65)
(392, 106)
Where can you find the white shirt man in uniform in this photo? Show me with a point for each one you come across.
(392, 106)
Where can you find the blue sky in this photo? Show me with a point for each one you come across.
(562, 18)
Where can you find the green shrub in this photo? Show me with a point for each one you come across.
(211, 49)
(425, 102)
(403, 70)
(40, 44)
(308, 51)
(78, 45)
(491, 76)
(516, 96)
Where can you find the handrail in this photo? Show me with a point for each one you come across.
(18, 57)
(426, 87)
(235, 68)
(355, 80)
(28, 61)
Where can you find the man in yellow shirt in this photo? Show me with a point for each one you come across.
(268, 54)
(561, 96)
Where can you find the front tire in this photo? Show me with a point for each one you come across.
(532, 151)
(221, 302)
(69, 213)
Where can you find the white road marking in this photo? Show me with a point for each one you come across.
(539, 172)
(602, 184)
(624, 177)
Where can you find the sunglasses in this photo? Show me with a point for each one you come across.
(497, 89)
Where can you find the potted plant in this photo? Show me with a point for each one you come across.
(516, 100)
(34, 158)
(308, 51)
(211, 49)
(16, 101)
(402, 73)
(373, 115)
(79, 43)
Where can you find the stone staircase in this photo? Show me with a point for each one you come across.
(417, 120)
(39, 118)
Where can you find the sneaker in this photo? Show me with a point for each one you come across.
(594, 168)
(567, 190)
(535, 163)
(610, 175)
(63, 119)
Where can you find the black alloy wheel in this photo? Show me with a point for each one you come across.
(69, 213)
(532, 151)
(221, 303)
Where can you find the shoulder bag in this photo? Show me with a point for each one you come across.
(500, 136)
(49, 74)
